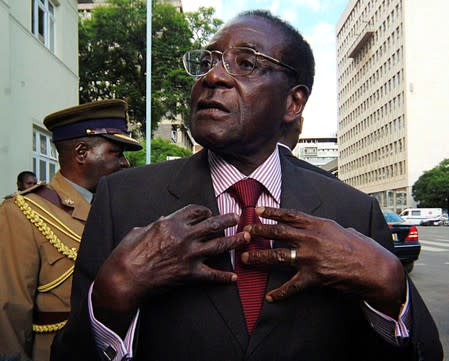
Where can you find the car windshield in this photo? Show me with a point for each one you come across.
(392, 217)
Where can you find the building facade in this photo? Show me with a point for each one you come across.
(393, 116)
(38, 75)
(318, 151)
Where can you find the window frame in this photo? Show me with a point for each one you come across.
(44, 154)
(46, 24)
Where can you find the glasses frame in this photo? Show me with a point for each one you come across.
(256, 54)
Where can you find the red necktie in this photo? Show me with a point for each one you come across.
(251, 281)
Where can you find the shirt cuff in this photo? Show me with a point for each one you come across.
(108, 342)
(394, 331)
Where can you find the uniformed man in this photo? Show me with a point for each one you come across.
(41, 227)
(25, 180)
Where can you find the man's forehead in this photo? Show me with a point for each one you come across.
(249, 31)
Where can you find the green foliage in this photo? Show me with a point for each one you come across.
(203, 26)
(169, 82)
(160, 150)
(432, 188)
(112, 56)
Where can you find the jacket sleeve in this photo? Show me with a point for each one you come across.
(19, 271)
(76, 340)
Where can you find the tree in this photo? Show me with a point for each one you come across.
(203, 25)
(160, 150)
(112, 56)
(112, 50)
(432, 188)
(171, 38)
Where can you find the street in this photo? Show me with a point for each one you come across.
(431, 277)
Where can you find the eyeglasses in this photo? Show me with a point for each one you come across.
(236, 61)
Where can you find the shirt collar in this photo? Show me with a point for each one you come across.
(224, 174)
(284, 145)
(87, 194)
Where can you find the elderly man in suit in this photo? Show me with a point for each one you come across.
(236, 253)
(41, 226)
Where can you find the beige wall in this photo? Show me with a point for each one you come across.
(34, 81)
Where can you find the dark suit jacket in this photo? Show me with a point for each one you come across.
(205, 322)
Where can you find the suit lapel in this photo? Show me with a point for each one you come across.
(299, 193)
(193, 185)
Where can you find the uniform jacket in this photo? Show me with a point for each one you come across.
(28, 260)
(205, 322)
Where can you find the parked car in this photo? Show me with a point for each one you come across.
(405, 239)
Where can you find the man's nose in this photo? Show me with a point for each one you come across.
(217, 75)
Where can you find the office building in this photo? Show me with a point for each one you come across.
(393, 77)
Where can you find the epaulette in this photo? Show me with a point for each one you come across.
(32, 189)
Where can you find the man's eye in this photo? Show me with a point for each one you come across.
(245, 63)
(205, 63)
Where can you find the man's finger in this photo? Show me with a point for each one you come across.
(282, 215)
(279, 232)
(213, 225)
(208, 274)
(223, 244)
(289, 288)
(276, 256)
(191, 214)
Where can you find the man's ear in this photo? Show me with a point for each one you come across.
(300, 123)
(80, 152)
(296, 101)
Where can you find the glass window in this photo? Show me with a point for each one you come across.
(43, 22)
(45, 162)
(43, 144)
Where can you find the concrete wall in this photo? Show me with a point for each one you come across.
(34, 81)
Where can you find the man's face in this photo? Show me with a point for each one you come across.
(28, 181)
(103, 158)
(242, 115)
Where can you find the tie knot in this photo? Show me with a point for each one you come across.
(247, 192)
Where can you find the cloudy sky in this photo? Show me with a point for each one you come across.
(316, 20)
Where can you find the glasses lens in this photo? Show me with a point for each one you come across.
(197, 62)
(239, 61)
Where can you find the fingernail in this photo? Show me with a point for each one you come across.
(247, 236)
(244, 257)
(247, 228)
(260, 210)
(269, 299)
(234, 278)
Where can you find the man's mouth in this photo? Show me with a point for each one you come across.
(211, 105)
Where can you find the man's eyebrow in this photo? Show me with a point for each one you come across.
(246, 44)
(243, 44)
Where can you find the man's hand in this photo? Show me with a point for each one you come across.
(329, 255)
(162, 255)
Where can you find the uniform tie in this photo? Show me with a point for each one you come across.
(251, 281)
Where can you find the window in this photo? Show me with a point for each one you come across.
(43, 22)
(45, 156)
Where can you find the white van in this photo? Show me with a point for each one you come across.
(422, 216)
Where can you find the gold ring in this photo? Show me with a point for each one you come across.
(293, 255)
